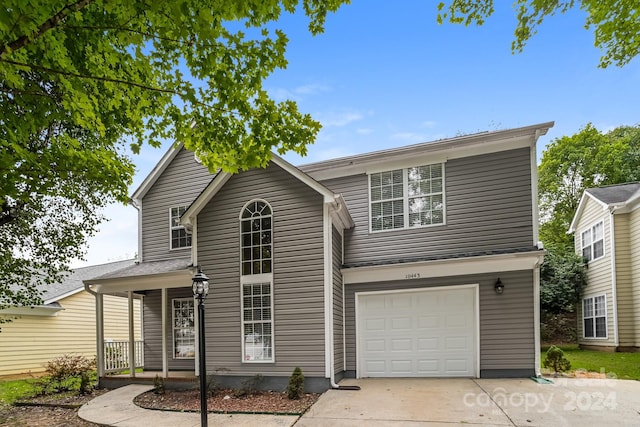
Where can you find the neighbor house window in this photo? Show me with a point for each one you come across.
(593, 242)
(594, 317)
(256, 264)
(184, 335)
(179, 236)
(407, 198)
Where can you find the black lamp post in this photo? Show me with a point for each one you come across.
(200, 289)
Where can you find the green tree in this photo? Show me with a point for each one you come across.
(562, 276)
(616, 23)
(81, 79)
(571, 164)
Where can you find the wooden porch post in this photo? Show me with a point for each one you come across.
(132, 338)
(165, 363)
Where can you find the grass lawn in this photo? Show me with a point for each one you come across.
(13, 390)
(616, 365)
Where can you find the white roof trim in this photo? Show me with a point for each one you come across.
(40, 310)
(581, 207)
(188, 218)
(158, 169)
(442, 268)
(65, 295)
(118, 285)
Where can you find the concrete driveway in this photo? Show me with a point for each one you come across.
(486, 402)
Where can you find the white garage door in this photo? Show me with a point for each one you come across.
(425, 333)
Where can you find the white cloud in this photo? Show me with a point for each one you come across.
(364, 131)
(311, 89)
(339, 119)
(429, 124)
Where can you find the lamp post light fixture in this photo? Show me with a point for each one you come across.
(200, 288)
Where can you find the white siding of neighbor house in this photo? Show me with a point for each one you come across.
(599, 271)
(634, 243)
(179, 185)
(624, 280)
(298, 273)
(28, 342)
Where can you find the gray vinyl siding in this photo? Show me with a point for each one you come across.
(599, 279)
(179, 185)
(488, 207)
(506, 321)
(338, 324)
(298, 274)
(634, 243)
(153, 331)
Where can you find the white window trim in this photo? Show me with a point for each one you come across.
(251, 279)
(173, 328)
(606, 320)
(171, 228)
(590, 229)
(405, 198)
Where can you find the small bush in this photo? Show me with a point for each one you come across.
(295, 389)
(158, 384)
(555, 360)
(68, 373)
(250, 386)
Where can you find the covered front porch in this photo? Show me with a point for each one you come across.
(165, 350)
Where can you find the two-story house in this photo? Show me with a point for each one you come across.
(606, 229)
(418, 261)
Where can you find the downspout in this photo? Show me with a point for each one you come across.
(138, 205)
(614, 279)
(536, 315)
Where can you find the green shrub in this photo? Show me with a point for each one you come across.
(295, 389)
(555, 360)
(68, 373)
(158, 384)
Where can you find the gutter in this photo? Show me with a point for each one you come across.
(614, 279)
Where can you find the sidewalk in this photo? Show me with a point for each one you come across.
(116, 408)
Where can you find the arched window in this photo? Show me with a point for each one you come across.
(256, 279)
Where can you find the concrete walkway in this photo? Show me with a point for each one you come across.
(116, 408)
(414, 402)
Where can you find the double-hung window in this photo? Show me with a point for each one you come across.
(184, 335)
(594, 317)
(407, 198)
(256, 267)
(179, 237)
(593, 242)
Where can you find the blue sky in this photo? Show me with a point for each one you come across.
(384, 74)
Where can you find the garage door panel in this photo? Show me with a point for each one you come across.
(417, 333)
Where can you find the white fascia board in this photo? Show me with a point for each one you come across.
(339, 213)
(430, 152)
(160, 167)
(39, 310)
(580, 209)
(174, 279)
(443, 268)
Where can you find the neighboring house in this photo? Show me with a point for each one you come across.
(606, 229)
(64, 323)
(418, 261)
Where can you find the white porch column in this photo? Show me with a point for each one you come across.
(100, 334)
(132, 338)
(165, 362)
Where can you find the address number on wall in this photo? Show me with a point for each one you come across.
(412, 276)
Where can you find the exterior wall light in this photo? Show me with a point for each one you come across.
(499, 287)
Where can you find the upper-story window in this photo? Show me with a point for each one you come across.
(593, 242)
(406, 198)
(257, 281)
(179, 237)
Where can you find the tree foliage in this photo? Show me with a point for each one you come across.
(80, 79)
(571, 164)
(562, 275)
(615, 23)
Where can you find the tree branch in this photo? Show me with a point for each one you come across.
(50, 23)
(128, 30)
(110, 80)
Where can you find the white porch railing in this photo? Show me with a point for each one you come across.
(116, 356)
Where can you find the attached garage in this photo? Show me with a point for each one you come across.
(428, 332)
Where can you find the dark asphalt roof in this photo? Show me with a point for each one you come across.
(146, 269)
(618, 193)
(74, 281)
